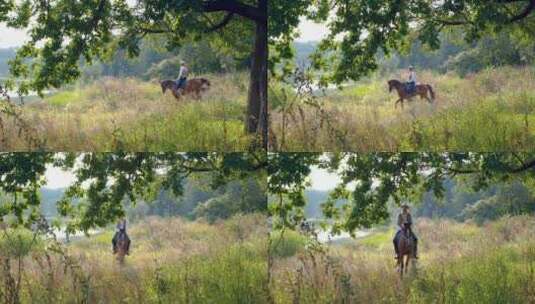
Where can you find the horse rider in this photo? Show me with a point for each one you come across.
(411, 84)
(120, 229)
(182, 78)
(405, 217)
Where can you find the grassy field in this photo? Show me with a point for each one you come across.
(171, 261)
(128, 114)
(174, 261)
(459, 263)
(493, 110)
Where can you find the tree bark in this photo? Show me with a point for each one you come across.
(256, 120)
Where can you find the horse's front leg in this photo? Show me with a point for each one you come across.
(396, 103)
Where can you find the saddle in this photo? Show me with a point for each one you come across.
(410, 87)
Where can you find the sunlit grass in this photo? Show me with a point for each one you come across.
(459, 263)
(489, 111)
(134, 115)
(171, 261)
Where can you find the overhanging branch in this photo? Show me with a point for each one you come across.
(528, 9)
(238, 8)
(525, 12)
(221, 24)
(525, 166)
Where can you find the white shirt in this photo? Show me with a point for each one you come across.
(412, 76)
(121, 225)
(184, 72)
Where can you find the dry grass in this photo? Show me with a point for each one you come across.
(171, 261)
(459, 263)
(128, 114)
(491, 110)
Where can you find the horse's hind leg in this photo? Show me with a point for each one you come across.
(401, 265)
(422, 96)
(176, 94)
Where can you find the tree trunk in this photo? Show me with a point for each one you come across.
(256, 121)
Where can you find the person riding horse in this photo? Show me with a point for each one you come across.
(182, 78)
(121, 230)
(411, 84)
(405, 219)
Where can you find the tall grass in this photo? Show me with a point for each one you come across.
(459, 263)
(132, 115)
(489, 111)
(171, 261)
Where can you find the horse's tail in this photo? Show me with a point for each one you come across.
(164, 87)
(431, 91)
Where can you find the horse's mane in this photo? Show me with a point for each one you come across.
(395, 81)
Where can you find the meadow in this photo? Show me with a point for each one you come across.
(459, 263)
(177, 261)
(493, 110)
(171, 261)
(129, 114)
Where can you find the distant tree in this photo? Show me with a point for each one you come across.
(511, 199)
(5, 56)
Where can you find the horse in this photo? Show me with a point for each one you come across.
(405, 249)
(421, 89)
(194, 86)
(122, 247)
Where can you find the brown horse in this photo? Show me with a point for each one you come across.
(406, 249)
(421, 89)
(194, 86)
(123, 247)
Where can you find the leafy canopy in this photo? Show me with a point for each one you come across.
(104, 182)
(370, 180)
(358, 29)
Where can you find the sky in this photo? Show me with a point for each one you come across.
(57, 178)
(309, 30)
(11, 37)
(322, 180)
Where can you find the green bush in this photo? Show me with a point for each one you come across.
(288, 245)
(18, 243)
(236, 275)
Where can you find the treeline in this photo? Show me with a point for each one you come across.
(155, 60)
(454, 54)
(458, 202)
(199, 200)
(5, 55)
(512, 198)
